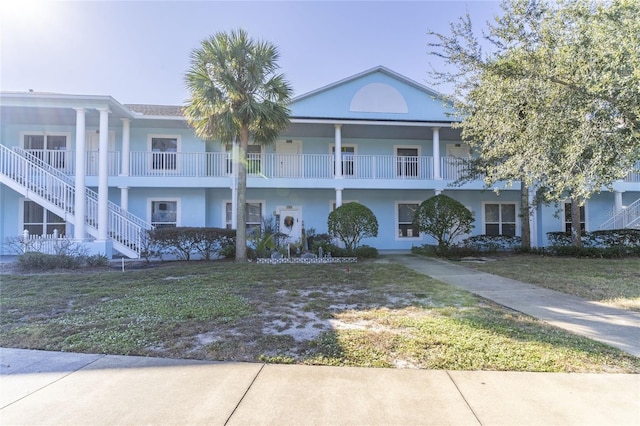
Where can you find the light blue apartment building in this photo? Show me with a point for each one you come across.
(99, 172)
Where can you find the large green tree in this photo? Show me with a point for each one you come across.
(554, 102)
(237, 95)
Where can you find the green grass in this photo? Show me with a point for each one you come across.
(612, 281)
(372, 314)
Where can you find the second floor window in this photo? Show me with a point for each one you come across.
(407, 159)
(164, 153)
(49, 148)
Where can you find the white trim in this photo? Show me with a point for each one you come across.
(151, 136)
(263, 209)
(445, 124)
(46, 133)
(396, 221)
(518, 231)
(177, 200)
(563, 223)
(44, 222)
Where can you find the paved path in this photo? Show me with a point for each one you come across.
(54, 388)
(615, 327)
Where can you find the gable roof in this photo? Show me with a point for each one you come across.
(374, 94)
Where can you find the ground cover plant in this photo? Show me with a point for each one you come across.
(366, 314)
(615, 282)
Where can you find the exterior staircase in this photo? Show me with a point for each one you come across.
(28, 175)
(628, 217)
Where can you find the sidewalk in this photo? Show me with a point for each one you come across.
(54, 388)
(615, 327)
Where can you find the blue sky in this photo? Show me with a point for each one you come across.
(138, 51)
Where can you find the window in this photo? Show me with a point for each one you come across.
(500, 219)
(407, 162)
(164, 214)
(406, 228)
(567, 218)
(254, 215)
(254, 159)
(51, 149)
(164, 153)
(40, 221)
(347, 159)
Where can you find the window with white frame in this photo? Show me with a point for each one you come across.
(254, 215)
(348, 152)
(500, 219)
(567, 218)
(164, 214)
(50, 148)
(405, 226)
(39, 221)
(164, 149)
(407, 161)
(254, 159)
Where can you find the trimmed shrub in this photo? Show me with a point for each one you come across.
(492, 243)
(34, 261)
(187, 241)
(443, 218)
(352, 222)
(366, 252)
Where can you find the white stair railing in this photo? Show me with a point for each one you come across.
(58, 188)
(628, 217)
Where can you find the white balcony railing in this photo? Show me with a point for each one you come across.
(291, 166)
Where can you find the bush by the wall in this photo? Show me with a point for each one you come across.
(34, 261)
(366, 252)
(492, 243)
(187, 241)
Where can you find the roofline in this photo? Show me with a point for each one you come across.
(376, 122)
(30, 96)
(378, 68)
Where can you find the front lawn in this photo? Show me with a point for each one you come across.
(365, 314)
(615, 282)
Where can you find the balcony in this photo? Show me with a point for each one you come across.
(271, 166)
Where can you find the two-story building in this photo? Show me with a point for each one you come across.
(99, 171)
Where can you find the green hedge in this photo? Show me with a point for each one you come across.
(187, 241)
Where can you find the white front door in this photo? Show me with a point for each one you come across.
(291, 223)
(289, 158)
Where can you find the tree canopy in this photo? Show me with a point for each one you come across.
(555, 103)
(237, 95)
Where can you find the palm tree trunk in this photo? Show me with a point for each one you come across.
(241, 230)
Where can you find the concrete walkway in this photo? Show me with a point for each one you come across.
(615, 327)
(55, 388)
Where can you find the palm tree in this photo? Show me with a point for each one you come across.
(237, 95)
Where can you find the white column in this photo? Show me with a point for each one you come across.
(618, 198)
(103, 178)
(80, 206)
(126, 146)
(338, 153)
(437, 174)
(338, 197)
(124, 198)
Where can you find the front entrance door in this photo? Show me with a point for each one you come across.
(291, 223)
(289, 158)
